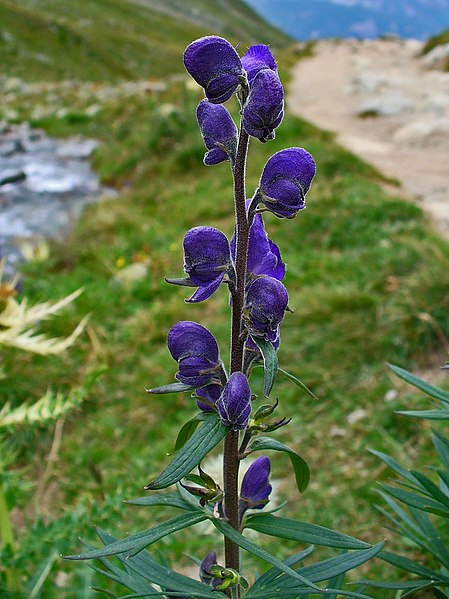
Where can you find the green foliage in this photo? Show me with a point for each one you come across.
(412, 500)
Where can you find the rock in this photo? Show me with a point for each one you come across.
(77, 147)
(424, 132)
(11, 176)
(388, 104)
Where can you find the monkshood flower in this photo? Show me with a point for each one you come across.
(285, 180)
(257, 58)
(196, 351)
(208, 397)
(215, 65)
(218, 131)
(266, 302)
(264, 109)
(234, 405)
(256, 489)
(207, 258)
(264, 257)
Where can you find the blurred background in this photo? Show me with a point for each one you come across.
(101, 174)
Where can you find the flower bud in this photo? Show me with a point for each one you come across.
(264, 109)
(208, 397)
(218, 131)
(207, 257)
(256, 489)
(257, 58)
(266, 302)
(234, 405)
(216, 66)
(285, 180)
(196, 351)
(209, 561)
(264, 257)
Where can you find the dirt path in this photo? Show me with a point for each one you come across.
(408, 138)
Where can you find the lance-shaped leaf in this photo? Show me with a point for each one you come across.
(228, 531)
(411, 566)
(298, 383)
(268, 577)
(324, 570)
(203, 440)
(431, 390)
(186, 431)
(417, 501)
(270, 363)
(162, 499)
(142, 539)
(171, 388)
(300, 467)
(303, 532)
(426, 414)
(149, 569)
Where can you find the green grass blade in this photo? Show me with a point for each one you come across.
(429, 389)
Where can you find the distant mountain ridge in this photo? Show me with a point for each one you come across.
(314, 19)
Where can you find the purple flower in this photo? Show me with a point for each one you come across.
(266, 302)
(210, 394)
(234, 405)
(196, 351)
(208, 561)
(285, 180)
(207, 258)
(216, 66)
(264, 109)
(219, 132)
(257, 58)
(264, 257)
(256, 489)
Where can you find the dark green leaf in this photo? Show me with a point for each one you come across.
(245, 543)
(441, 443)
(298, 383)
(164, 499)
(148, 569)
(410, 566)
(303, 532)
(267, 578)
(300, 467)
(270, 363)
(187, 431)
(203, 440)
(432, 488)
(426, 414)
(421, 503)
(394, 465)
(171, 388)
(143, 539)
(105, 592)
(431, 390)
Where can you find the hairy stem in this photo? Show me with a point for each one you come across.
(231, 445)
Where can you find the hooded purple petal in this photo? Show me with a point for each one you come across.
(257, 58)
(196, 371)
(286, 178)
(215, 65)
(206, 254)
(256, 488)
(266, 302)
(218, 130)
(208, 561)
(264, 257)
(234, 405)
(187, 338)
(206, 290)
(264, 108)
(211, 394)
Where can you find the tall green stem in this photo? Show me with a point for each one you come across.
(7, 539)
(231, 445)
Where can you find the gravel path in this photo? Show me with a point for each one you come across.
(405, 103)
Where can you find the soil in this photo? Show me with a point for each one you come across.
(388, 105)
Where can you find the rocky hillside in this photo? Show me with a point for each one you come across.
(111, 40)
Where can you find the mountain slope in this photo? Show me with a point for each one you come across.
(109, 40)
(356, 18)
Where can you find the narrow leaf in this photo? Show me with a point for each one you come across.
(429, 389)
(165, 499)
(300, 467)
(432, 488)
(426, 414)
(203, 440)
(236, 537)
(269, 576)
(142, 539)
(270, 363)
(186, 431)
(411, 566)
(298, 383)
(416, 501)
(303, 532)
(171, 388)
(394, 465)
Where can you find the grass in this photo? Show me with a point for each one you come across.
(437, 40)
(366, 276)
